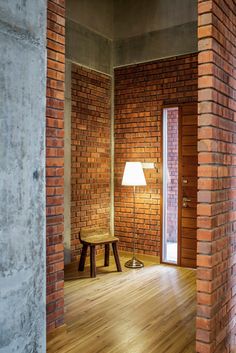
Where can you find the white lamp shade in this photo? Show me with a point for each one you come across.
(133, 174)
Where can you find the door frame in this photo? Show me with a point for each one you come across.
(180, 193)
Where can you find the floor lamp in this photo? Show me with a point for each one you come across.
(134, 176)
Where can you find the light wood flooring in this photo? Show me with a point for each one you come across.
(150, 310)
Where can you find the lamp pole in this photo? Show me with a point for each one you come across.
(134, 176)
(134, 262)
(134, 230)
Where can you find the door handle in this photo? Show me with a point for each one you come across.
(185, 201)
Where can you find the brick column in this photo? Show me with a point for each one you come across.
(55, 162)
(216, 197)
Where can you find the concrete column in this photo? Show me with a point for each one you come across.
(22, 176)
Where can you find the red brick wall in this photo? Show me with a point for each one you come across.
(90, 150)
(216, 284)
(55, 162)
(141, 91)
(172, 187)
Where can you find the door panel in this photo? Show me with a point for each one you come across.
(189, 213)
(188, 243)
(189, 130)
(188, 233)
(188, 170)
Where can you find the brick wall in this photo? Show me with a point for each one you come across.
(172, 187)
(141, 91)
(90, 152)
(216, 284)
(55, 162)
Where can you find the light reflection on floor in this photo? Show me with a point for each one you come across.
(171, 253)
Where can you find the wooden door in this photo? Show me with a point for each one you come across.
(188, 186)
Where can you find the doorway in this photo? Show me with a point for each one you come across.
(179, 186)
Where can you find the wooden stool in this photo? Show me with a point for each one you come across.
(92, 237)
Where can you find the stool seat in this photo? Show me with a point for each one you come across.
(97, 240)
(90, 237)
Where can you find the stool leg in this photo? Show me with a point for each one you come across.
(116, 256)
(107, 253)
(92, 262)
(83, 257)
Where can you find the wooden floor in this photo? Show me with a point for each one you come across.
(151, 310)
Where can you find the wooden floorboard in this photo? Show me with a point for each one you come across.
(150, 310)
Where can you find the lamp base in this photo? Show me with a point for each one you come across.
(134, 263)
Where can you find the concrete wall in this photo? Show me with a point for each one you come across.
(106, 34)
(145, 31)
(93, 14)
(22, 182)
(136, 17)
(89, 33)
(85, 47)
(173, 41)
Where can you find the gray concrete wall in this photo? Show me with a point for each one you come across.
(135, 17)
(96, 15)
(106, 34)
(87, 48)
(89, 33)
(22, 181)
(153, 29)
(173, 41)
